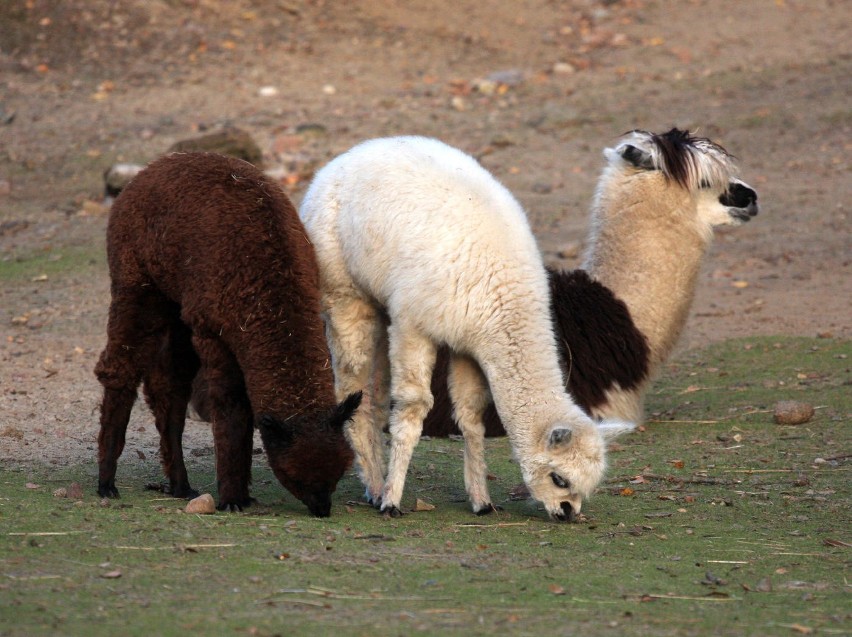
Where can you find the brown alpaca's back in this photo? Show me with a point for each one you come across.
(211, 269)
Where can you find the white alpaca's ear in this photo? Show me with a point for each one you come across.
(611, 429)
(559, 437)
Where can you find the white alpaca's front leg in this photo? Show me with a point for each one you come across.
(354, 330)
(412, 357)
(470, 396)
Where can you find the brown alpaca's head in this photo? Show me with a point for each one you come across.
(309, 453)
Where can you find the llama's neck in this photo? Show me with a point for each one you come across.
(651, 263)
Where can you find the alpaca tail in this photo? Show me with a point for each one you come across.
(610, 429)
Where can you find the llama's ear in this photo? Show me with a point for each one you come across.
(559, 437)
(637, 157)
(272, 429)
(345, 410)
(611, 429)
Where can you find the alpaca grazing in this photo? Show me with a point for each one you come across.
(419, 246)
(617, 319)
(211, 270)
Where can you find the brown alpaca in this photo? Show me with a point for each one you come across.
(212, 272)
(617, 320)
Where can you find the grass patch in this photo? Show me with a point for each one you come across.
(50, 263)
(714, 520)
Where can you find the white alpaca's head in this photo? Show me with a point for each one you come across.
(568, 464)
(696, 166)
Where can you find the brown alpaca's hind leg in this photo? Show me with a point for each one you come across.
(134, 335)
(168, 385)
(232, 422)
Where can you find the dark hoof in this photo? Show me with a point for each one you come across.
(185, 492)
(391, 512)
(234, 507)
(489, 508)
(108, 490)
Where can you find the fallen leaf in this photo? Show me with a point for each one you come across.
(33, 485)
(556, 589)
(111, 574)
(626, 491)
(838, 543)
(677, 464)
(804, 630)
(764, 586)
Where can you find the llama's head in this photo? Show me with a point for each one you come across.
(309, 453)
(569, 465)
(686, 168)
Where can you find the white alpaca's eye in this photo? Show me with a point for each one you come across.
(559, 481)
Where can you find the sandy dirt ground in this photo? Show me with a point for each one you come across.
(534, 88)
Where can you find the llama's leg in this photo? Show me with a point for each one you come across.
(231, 420)
(413, 358)
(168, 386)
(134, 334)
(354, 328)
(470, 397)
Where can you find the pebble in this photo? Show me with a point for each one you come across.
(793, 412)
(203, 504)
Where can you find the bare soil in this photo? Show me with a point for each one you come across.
(534, 88)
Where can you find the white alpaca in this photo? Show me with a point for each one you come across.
(419, 246)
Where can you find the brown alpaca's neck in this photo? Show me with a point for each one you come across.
(653, 268)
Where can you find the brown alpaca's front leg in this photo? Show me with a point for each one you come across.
(231, 420)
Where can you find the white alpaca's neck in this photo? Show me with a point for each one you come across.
(526, 384)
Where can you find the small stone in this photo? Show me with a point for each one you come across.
(564, 68)
(421, 505)
(793, 412)
(203, 504)
(91, 208)
(117, 176)
(231, 141)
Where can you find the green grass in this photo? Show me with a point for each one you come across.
(59, 261)
(713, 520)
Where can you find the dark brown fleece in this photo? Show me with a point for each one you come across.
(211, 270)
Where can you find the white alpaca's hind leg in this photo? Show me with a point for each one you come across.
(353, 328)
(412, 358)
(470, 396)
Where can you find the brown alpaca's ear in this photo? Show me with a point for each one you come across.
(273, 431)
(637, 157)
(346, 410)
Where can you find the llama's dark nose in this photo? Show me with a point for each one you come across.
(739, 195)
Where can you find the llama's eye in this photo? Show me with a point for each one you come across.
(559, 481)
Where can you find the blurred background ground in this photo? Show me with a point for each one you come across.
(534, 88)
